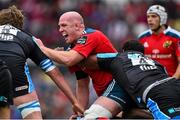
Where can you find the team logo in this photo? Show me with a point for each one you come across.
(82, 40)
(167, 44)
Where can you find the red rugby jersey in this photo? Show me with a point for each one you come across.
(92, 42)
(164, 47)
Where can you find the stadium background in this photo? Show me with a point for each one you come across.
(120, 20)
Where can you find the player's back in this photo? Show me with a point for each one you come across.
(16, 47)
(135, 71)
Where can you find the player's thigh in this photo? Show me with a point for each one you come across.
(5, 85)
(119, 95)
(109, 104)
(26, 98)
(115, 99)
(29, 106)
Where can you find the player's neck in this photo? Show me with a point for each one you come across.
(159, 30)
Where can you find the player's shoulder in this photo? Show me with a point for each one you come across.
(87, 33)
(146, 33)
(19, 33)
(7, 28)
(91, 32)
(172, 32)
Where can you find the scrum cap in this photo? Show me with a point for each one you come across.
(159, 10)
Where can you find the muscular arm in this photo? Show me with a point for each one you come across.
(91, 62)
(177, 73)
(58, 78)
(82, 92)
(68, 58)
(100, 61)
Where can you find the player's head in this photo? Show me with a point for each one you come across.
(156, 16)
(71, 26)
(133, 45)
(12, 16)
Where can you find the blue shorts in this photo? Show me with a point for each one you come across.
(118, 94)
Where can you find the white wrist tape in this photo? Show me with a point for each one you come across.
(96, 111)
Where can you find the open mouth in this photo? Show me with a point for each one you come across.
(65, 36)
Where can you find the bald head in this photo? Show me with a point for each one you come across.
(73, 17)
(71, 26)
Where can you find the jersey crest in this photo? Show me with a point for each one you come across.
(167, 44)
(82, 40)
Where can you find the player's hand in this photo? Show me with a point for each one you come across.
(77, 109)
(75, 117)
(39, 42)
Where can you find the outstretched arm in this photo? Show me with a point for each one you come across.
(99, 61)
(68, 58)
(58, 78)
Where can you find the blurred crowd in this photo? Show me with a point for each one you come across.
(120, 20)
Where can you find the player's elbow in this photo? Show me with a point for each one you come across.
(69, 62)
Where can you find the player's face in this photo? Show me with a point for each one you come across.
(68, 30)
(153, 21)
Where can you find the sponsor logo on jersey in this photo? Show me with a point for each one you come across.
(6, 37)
(159, 55)
(7, 32)
(82, 40)
(155, 51)
(167, 44)
(21, 88)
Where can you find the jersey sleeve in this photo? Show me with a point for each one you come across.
(86, 45)
(39, 57)
(80, 74)
(104, 60)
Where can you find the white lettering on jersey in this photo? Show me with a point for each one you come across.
(144, 62)
(6, 37)
(7, 32)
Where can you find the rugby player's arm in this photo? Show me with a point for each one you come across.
(68, 58)
(82, 92)
(91, 62)
(99, 61)
(177, 73)
(58, 78)
(82, 88)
